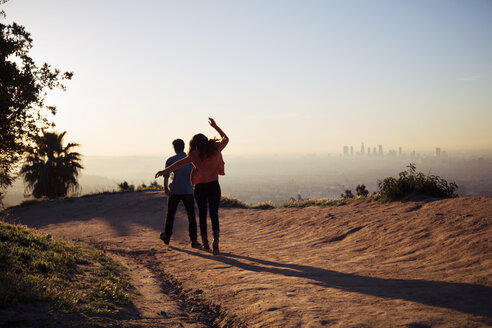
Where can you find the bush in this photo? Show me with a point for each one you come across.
(154, 185)
(348, 194)
(263, 206)
(361, 190)
(313, 202)
(124, 186)
(410, 183)
(228, 201)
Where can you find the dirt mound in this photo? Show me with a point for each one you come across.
(415, 264)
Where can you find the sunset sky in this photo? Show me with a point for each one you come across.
(278, 76)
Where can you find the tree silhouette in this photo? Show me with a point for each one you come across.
(23, 89)
(51, 169)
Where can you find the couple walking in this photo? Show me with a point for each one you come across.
(201, 167)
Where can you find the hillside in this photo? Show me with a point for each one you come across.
(45, 281)
(367, 264)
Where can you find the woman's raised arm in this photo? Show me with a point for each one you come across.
(224, 138)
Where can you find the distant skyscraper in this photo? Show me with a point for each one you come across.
(345, 151)
(351, 150)
(438, 151)
(368, 151)
(399, 151)
(374, 151)
(362, 149)
(380, 150)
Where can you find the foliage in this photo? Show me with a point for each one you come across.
(23, 91)
(125, 186)
(263, 206)
(233, 202)
(228, 201)
(348, 194)
(314, 202)
(361, 191)
(71, 277)
(411, 183)
(154, 185)
(51, 169)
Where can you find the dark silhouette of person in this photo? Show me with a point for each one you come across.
(206, 156)
(179, 190)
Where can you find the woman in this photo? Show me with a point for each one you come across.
(206, 157)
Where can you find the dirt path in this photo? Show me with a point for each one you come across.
(361, 265)
(159, 306)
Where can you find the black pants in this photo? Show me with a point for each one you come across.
(172, 205)
(208, 194)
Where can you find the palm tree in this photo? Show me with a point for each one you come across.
(51, 169)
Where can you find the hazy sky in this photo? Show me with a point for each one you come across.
(278, 76)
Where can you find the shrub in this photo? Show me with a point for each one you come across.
(124, 186)
(313, 202)
(228, 201)
(233, 202)
(154, 185)
(263, 206)
(411, 183)
(361, 190)
(348, 194)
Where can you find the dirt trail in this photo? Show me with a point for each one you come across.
(156, 307)
(425, 264)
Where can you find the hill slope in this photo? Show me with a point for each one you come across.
(415, 264)
(58, 283)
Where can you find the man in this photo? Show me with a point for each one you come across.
(180, 189)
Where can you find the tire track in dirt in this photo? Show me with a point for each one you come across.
(161, 299)
(156, 307)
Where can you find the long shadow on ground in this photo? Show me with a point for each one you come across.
(119, 210)
(468, 298)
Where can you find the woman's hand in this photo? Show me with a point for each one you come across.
(225, 139)
(212, 123)
(158, 174)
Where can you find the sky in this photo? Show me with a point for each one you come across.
(280, 77)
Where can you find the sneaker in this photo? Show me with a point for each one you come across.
(215, 247)
(205, 242)
(165, 238)
(195, 244)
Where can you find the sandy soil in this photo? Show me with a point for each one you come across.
(415, 264)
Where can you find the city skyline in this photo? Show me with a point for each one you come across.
(379, 151)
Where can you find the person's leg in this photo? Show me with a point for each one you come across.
(189, 204)
(201, 202)
(172, 204)
(214, 203)
(214, 195)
